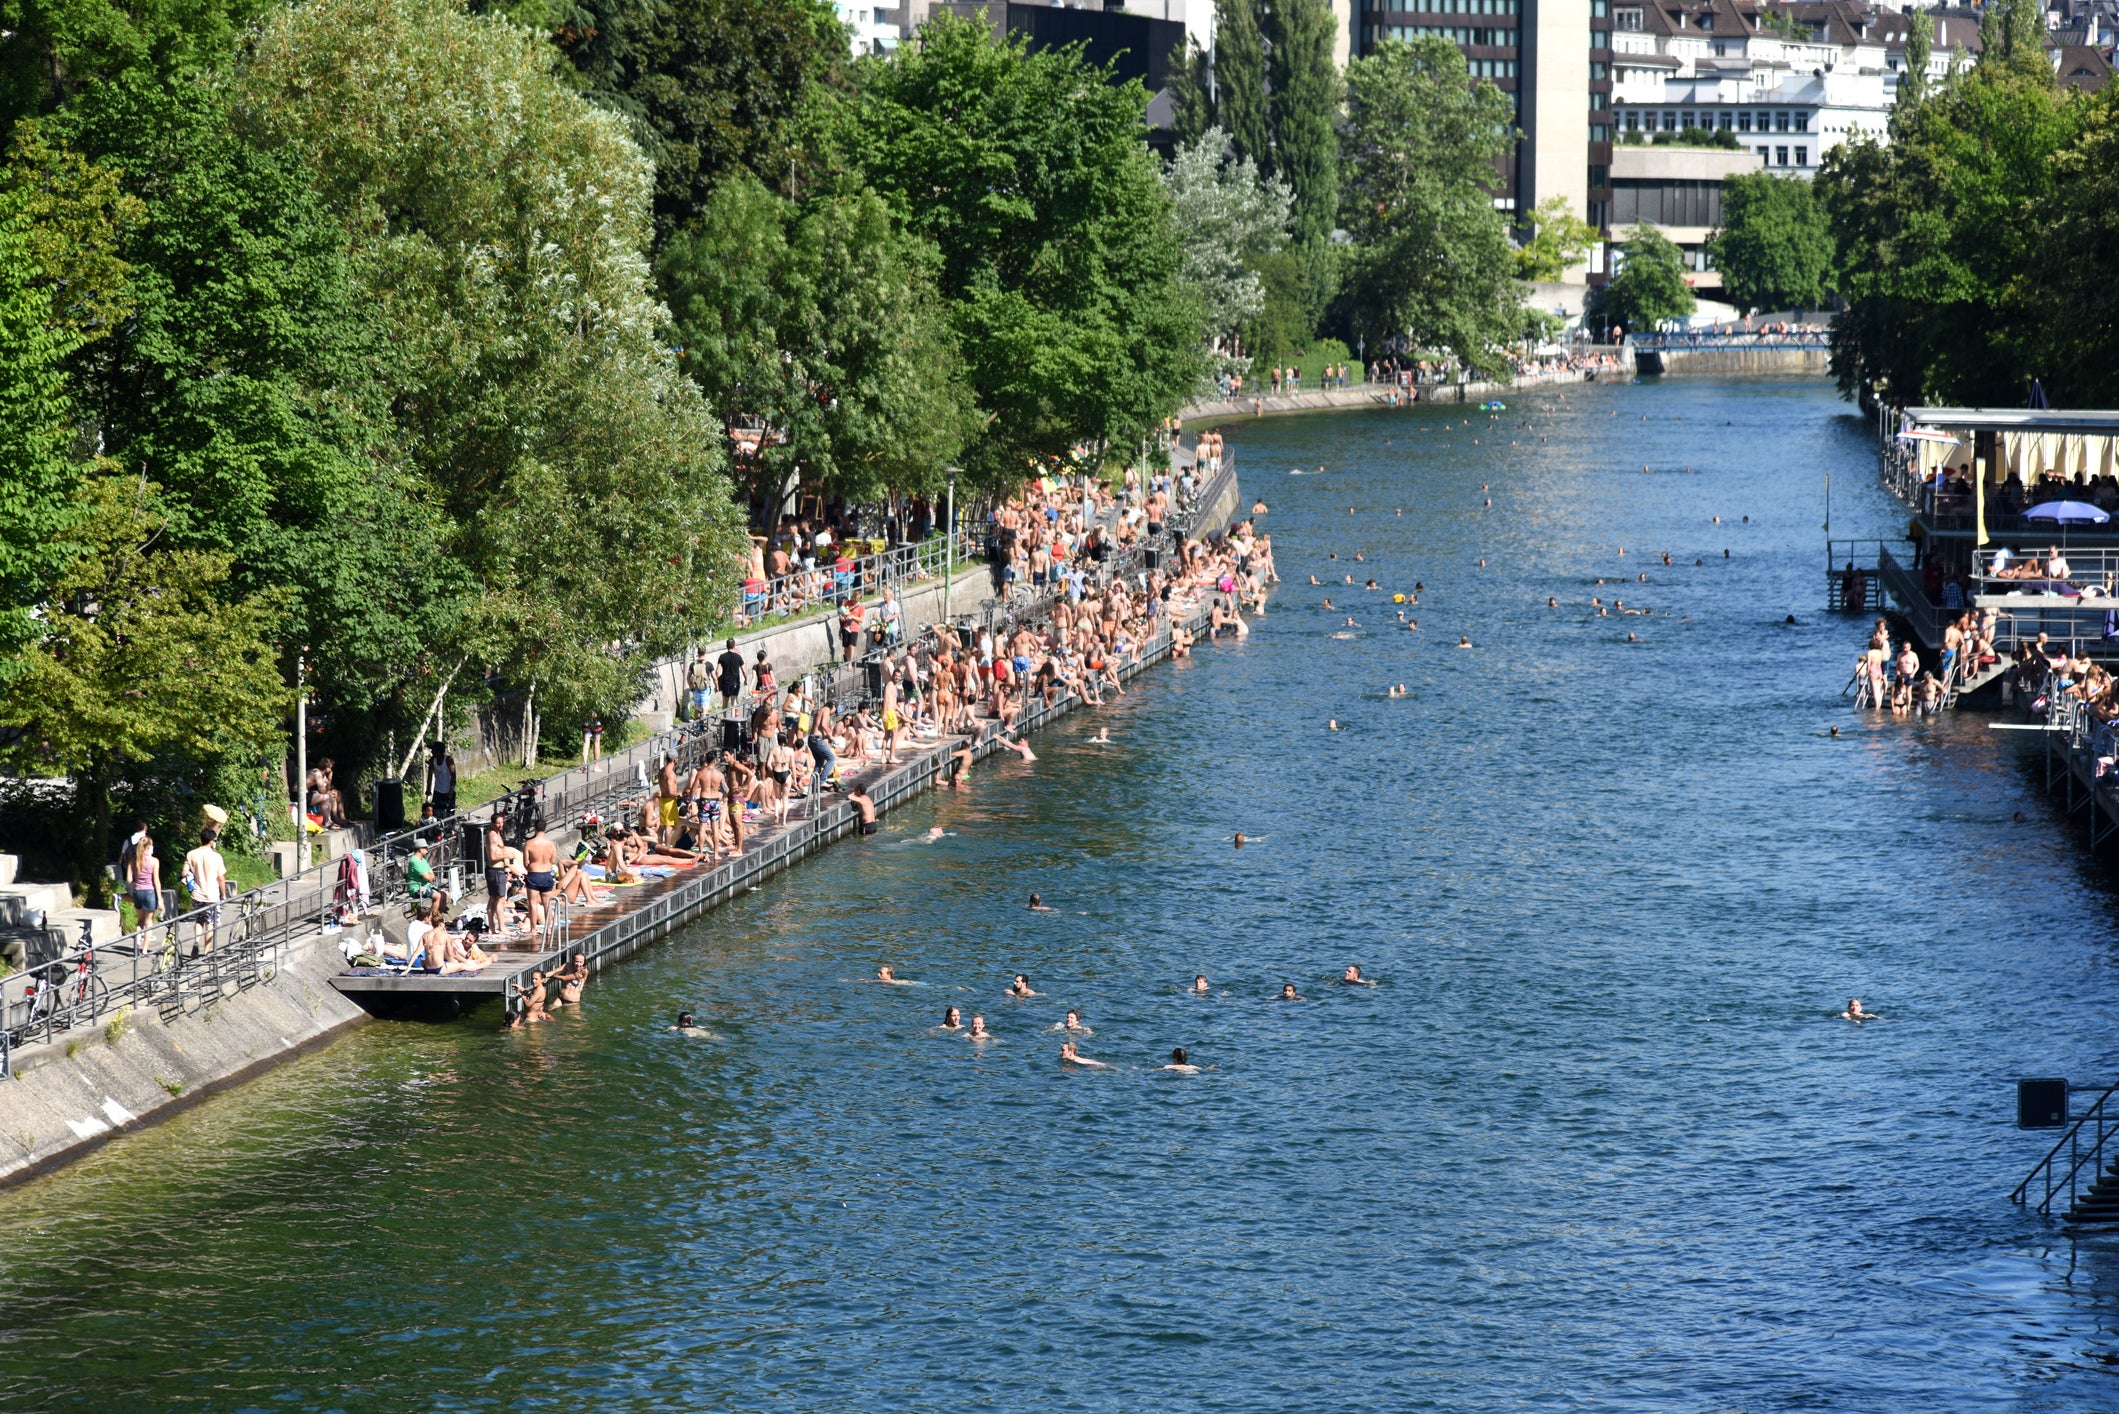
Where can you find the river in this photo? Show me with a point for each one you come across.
(1593, 1142)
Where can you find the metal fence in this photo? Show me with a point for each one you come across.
(825, 585)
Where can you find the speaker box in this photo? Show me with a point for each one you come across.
(2041, 1104)
(875, 678)
(731, 734)
(389, 805)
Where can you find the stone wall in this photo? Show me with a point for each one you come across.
(1765, 362)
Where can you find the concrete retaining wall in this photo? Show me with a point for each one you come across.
(73, 1093)
(1373, 395)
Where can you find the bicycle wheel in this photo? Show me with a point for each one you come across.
(92, 998)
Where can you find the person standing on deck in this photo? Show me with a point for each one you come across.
(540, 863)
(731, 664)
(496, 873)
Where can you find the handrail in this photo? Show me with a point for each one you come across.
(1708, 339)
(799, 590)
(2107, 1122)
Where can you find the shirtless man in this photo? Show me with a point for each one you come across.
(572, 978)
(1038, 905)
(960, 764)
(1020, 988)
(1855, 1014)
(540, 864)
(1353, 977)
(862, 803)
(1070, 1056)
(496, 873)
(1181, 1063)
(738, 779)
(1199, 985)
(207, 877)
(889, 979)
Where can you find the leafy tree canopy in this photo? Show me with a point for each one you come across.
(1775, 245)
(1649, 288)
(1230, 220)
(1559, 238)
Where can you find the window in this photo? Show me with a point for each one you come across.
(1802, 122)
(1765, 154)
(1684, 120)
(1599, 176)
(1707, 21)
(1599, 214)
(1598, 9)
(1780, 156)
(1598, 102)
(1765, 122)
(1633, 121)
(1802, 157)
(1670, 121)
(1600, 39)
(1743, 121)
(1627, 18)
(1600, 132)
(1598, 69)
(1780, 122)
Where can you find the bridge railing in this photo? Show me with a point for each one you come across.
(1708, 339)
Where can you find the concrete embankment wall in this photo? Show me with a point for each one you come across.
(73, 1093)
(1374, 395)
(1758, 361)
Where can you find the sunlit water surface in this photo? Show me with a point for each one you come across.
(1595, 1141)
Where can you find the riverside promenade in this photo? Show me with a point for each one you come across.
(1367, 395)
(183, 1027)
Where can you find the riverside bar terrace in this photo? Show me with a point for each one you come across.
(1995, 495)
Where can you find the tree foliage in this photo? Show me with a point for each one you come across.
(821, 321)
(1939, 239)
(36, 477)
(1558, 239)
(1240, 81)
(498, 226)
(1649, 287)
(1433, 261)
(1059, 258)
(1230, 220)
(1774, 248)
(1303, 109)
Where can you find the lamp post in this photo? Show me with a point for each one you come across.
(301, 762)
(949, 550)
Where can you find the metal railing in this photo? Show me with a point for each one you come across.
(825, 585)
(2060, 1170)
(1706, 339)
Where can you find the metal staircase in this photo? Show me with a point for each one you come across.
(2083, 1166)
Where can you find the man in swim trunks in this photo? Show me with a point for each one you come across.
(667, 800)
(496, 873)
(859, 798)
(540, 863)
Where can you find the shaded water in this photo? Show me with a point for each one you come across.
(1593, 1143)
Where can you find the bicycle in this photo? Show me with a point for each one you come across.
(64, 996)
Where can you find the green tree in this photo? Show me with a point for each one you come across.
(1059, 256)
(1649, 287)
(1230, 220)
(1191, 93)
(1920, 48)
(1937, 238)
(55, 49)
(1240, 81)
(498, 225)
(1559, 239)
(821, 321)
(36, 478)
(1304, 110)
(1432, 259)
(141, 650)
(710, 87)
(2079, 264)
(1774, 248)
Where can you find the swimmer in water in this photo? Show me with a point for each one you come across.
(1020, 987)
(1038, 905)
(978, 1031)
(1327, 603)
(1855, 1014)
(1551, 603)
(1199, 985)
(1314, 579)
(687, 1025)
(1239, 839)
(1463, 641)
(1835, 732)
(1180, 1062)
(952, 1020)
(1070, 1056)
(883, 975)
(1074, 1023)
(1289, 994)
(1396, 691)
(935, 832)
(1102, 738)
(1353, 977)
(1332, 724)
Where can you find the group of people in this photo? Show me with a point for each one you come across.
(203, 877)
(1894, 680)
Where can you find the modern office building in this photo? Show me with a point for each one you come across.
(872, 28)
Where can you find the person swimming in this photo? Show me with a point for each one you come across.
(1463, 641)
(1180, 1062)
(935, 832)
(1020, 987)
(952, 1020)
(885, 976)
(1855, 1014)
(1353, 978)
(1074, 1023)
(688, 1025)
(1397, 691)
(1289, 994)
(1102, 737)
(978, 1031)
(1038, 905)
(1239, 839)
(1070, 1056)
(1199, 985)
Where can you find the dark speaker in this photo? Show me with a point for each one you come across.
(473, 844)
(968, 635)
(389, 805)
(1152, 557)
(731, 734)
(875, 678)
(2041, 1104)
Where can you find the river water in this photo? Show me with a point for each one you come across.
(1593, 1142)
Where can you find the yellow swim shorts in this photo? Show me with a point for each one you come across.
(669, 811)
